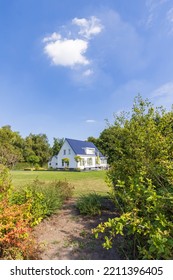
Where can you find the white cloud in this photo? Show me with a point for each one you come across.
(164, 90)
(67, 52)
(71, 50)
(88, 27)
(88, 72)
(90, 121)
(160, 13)
(53, 37)
(163, 95)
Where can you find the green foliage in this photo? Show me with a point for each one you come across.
(36, 149)
(11, 145)
(140, 151)
(66, 161)
(144, 219)
(5, 180)
(77, 158)
(57, 144)
(90, 204)
(43, 198)
(21, 166)
(23, 208)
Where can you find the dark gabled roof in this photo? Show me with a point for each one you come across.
(78, 146)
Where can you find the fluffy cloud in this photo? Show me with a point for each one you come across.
(71, 50)
(88, 27)
(53, 37)
(67, 52)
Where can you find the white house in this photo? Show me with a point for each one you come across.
(78, 154)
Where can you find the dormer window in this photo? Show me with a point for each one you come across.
(89, 151)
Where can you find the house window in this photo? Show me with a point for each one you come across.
(103, 161)
(64, 152)
(89, 161)
(69, 151)
(62, 162)
(90, 151)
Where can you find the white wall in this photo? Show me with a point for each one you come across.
(53, 162)
(69, 154)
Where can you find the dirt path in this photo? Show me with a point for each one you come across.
(67, 236)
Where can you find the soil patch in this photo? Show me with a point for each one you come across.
(68, 236)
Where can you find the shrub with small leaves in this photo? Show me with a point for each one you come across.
(90, 204)
(43, 198)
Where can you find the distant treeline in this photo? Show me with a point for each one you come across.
(34, 149)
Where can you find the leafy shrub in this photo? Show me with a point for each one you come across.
(28, 169)
(90, 204)
(21, 166)
(37, 166)
(16, 241)
(140, 151)
(5, 180)
(144, 221)
(43, 198)
(21, 209)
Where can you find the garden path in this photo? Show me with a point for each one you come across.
(67, 235)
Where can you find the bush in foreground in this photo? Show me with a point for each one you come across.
(140, 151)
(43, 198)
(16, 241)
(23, 208)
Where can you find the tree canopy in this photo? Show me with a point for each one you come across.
(140, 151)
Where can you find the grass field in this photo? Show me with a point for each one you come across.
(83, 182)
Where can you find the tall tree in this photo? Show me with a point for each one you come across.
(37, 146)
(57, 144)
(11, 145)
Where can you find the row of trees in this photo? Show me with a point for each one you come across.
(34, 149)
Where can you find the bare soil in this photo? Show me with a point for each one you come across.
(68, 236)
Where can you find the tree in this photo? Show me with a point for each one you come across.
(140, 152)
(57, 144)
(11, 144)
(37, 145)
(33, 159)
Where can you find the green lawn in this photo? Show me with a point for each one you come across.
(83, 182)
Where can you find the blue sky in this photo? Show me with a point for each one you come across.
(66, 66)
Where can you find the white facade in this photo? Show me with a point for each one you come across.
(89, 160)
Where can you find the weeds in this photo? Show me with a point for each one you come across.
(90, 204)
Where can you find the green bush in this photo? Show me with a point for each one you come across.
(28, 169)
(147, 231)
(140, 152)
(43, 198)
(90, 204)
(21, 166)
